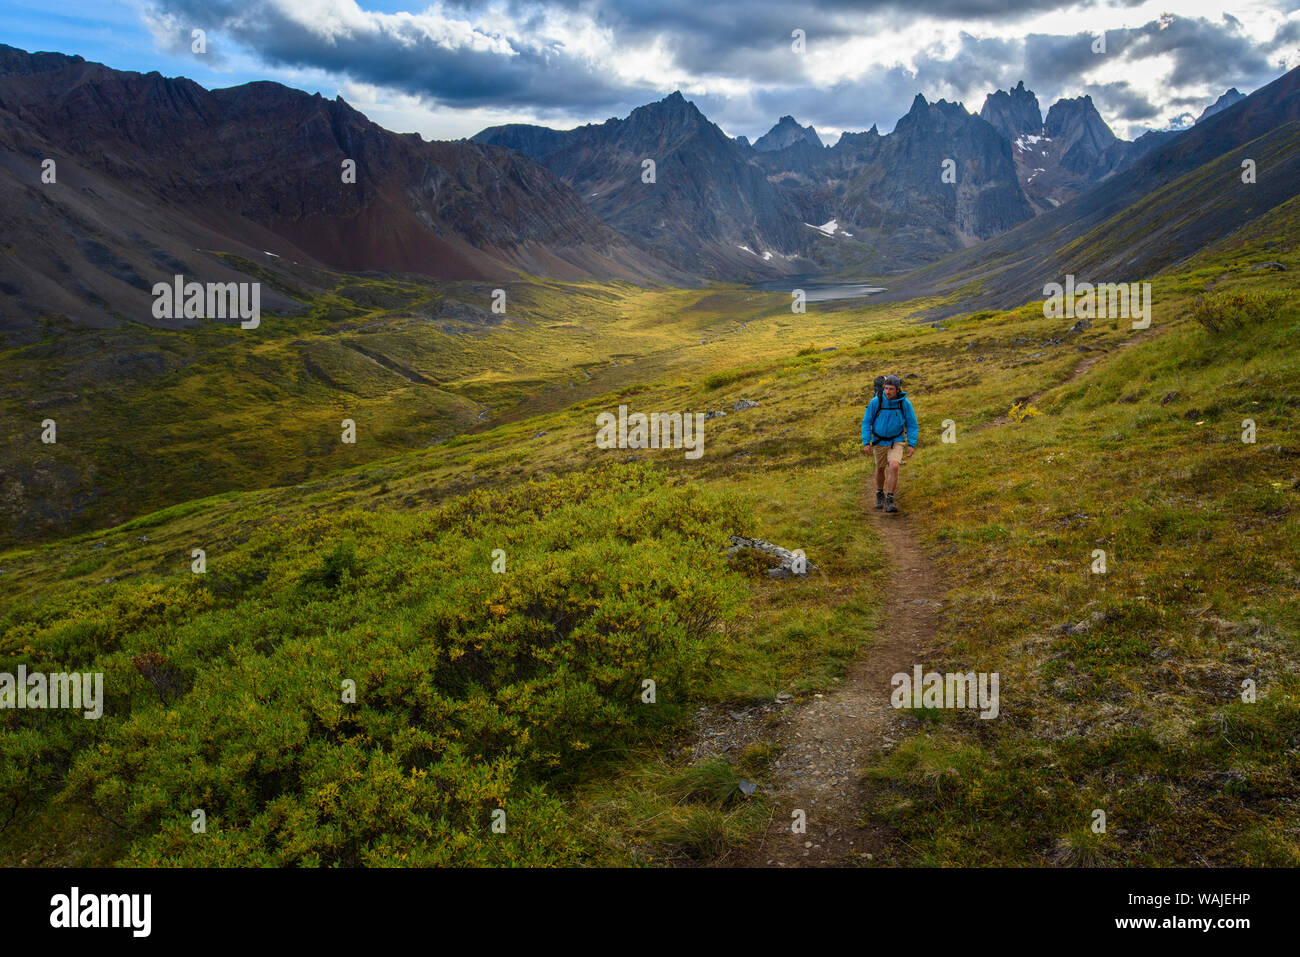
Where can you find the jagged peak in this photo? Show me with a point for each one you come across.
(674, 106)
(1014, 113)
(1066, 109)
(1077, 102)
(1017, 92)
(1078, 116)
(1230, 97)
(921, 106)
(848, 138)
(786, 131)
(676, 101)
(788, 122)
(932, 116)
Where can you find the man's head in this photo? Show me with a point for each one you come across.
(893, 385)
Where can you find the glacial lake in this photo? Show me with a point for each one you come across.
(818, 291)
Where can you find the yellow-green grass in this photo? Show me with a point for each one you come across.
(149, 417)
(1138, 715)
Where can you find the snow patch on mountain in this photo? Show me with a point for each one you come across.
(827, 228)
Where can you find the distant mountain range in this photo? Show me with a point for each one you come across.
(709, 213)
(154, 175)
(1065, 154)
(786, 133)
(158, 176)
(887, 196)
(1173, 200)
(711, 209)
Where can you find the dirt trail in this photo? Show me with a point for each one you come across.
(824, 743)
(1080, 370)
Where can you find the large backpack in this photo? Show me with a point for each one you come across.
(880, 404)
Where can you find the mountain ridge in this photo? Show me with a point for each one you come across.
(242, 184)
(1204, 160)
(259, 179)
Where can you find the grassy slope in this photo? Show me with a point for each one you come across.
(1140, 715)
(1135, 715)
(147, 418)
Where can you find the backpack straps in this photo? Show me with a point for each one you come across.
(902, 423)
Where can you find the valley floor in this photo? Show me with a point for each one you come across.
(1160, 691)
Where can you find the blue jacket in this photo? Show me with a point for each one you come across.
(895, 417)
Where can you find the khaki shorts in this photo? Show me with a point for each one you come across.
(891, 453)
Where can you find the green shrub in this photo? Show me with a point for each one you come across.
(334, 566)
(474, 691)
(1223, 311)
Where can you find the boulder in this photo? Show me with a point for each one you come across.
(786, 558)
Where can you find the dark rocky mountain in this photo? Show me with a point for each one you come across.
(258, 175)
(711, 209)
(907, 181)
(1013, 114)
(785, 133)
(156, 175)
(854, 140)
(1066, 153)
(1230, 98)
(880, 202)
(1080, 136)
(1185, 192)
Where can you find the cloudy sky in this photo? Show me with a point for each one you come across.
(446, 70)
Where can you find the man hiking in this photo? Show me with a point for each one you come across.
(889, 418)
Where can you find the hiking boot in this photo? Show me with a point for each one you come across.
(880, 499)
(889, 504)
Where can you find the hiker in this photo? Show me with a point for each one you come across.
(889, 418)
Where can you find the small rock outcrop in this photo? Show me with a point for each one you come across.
(789, 563)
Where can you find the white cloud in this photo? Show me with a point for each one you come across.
(571, 64)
